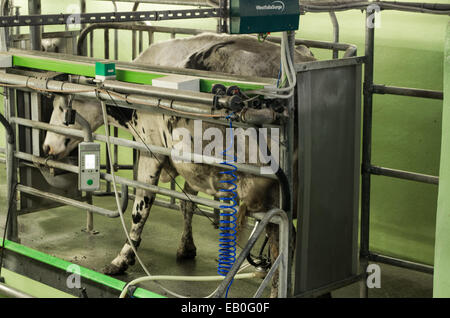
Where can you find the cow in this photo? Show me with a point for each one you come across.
(232, 54)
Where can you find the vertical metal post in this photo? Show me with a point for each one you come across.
(366, 155)
(4, 32)
(288, 161)
(108, 165)
(11, 171)
(82, 26)
(335, 23)
(34, 7)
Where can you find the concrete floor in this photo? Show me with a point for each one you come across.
(59, 232)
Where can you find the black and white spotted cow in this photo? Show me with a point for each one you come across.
(240, 55)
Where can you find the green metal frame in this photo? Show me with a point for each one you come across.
(122, 74)
(85, 273)
(126, 72)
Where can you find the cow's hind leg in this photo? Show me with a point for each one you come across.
(187, 249)
(273, 233)
(148, 172)
(274, 243)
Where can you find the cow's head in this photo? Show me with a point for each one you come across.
(59, 145)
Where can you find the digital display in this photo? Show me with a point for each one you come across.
(89, 161)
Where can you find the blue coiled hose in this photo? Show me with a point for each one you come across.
(227, 222)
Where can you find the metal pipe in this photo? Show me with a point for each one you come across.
(335, 23)
(406, 175)
(11, 292)
(123, 181)
(86, 127)
(284, 243)
(197, 3)
(12, 231)
(316, 44)
(64, 200)
(73, 169)
(4, 32)
(34, 8)
(401, 263)
(10, 137)
(150, 103)
(167, 93)
(366, 156)
(406, 91)
(245, 168)
(127, 26)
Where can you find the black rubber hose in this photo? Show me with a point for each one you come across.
(285, 202)
(9, 130)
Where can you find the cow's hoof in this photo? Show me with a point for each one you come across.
(186, 254)
(112, 269)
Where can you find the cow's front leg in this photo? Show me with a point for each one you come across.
(187, 249)
(149, 170)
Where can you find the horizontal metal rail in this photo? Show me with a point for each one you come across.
(406, 175)
(196, 3)
(171, 105)
(165, 203)
(120, 180)
(406, 91)
(64, 200)
(245, 168)
(131, 27)
(349, 49)
(401, 263)
(84, 18)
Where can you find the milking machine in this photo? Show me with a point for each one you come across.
(231, 101)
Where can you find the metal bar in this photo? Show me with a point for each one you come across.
(366, 156)
(123, 181)
(268, 277)
(137, 27)
(196, 3)
(46, 35)
(335, 24)
(106, 41)
(64, 200)
(316, 44)
(246, 168)
(284, 243)
(406, 91)
(406, 175)
(53, 271)
(55, 19)
(288, 169)
(150, 103)
(401, 263)
(9, 291)
(11, 169)
(34, 9)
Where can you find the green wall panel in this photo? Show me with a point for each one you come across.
(442, 256)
